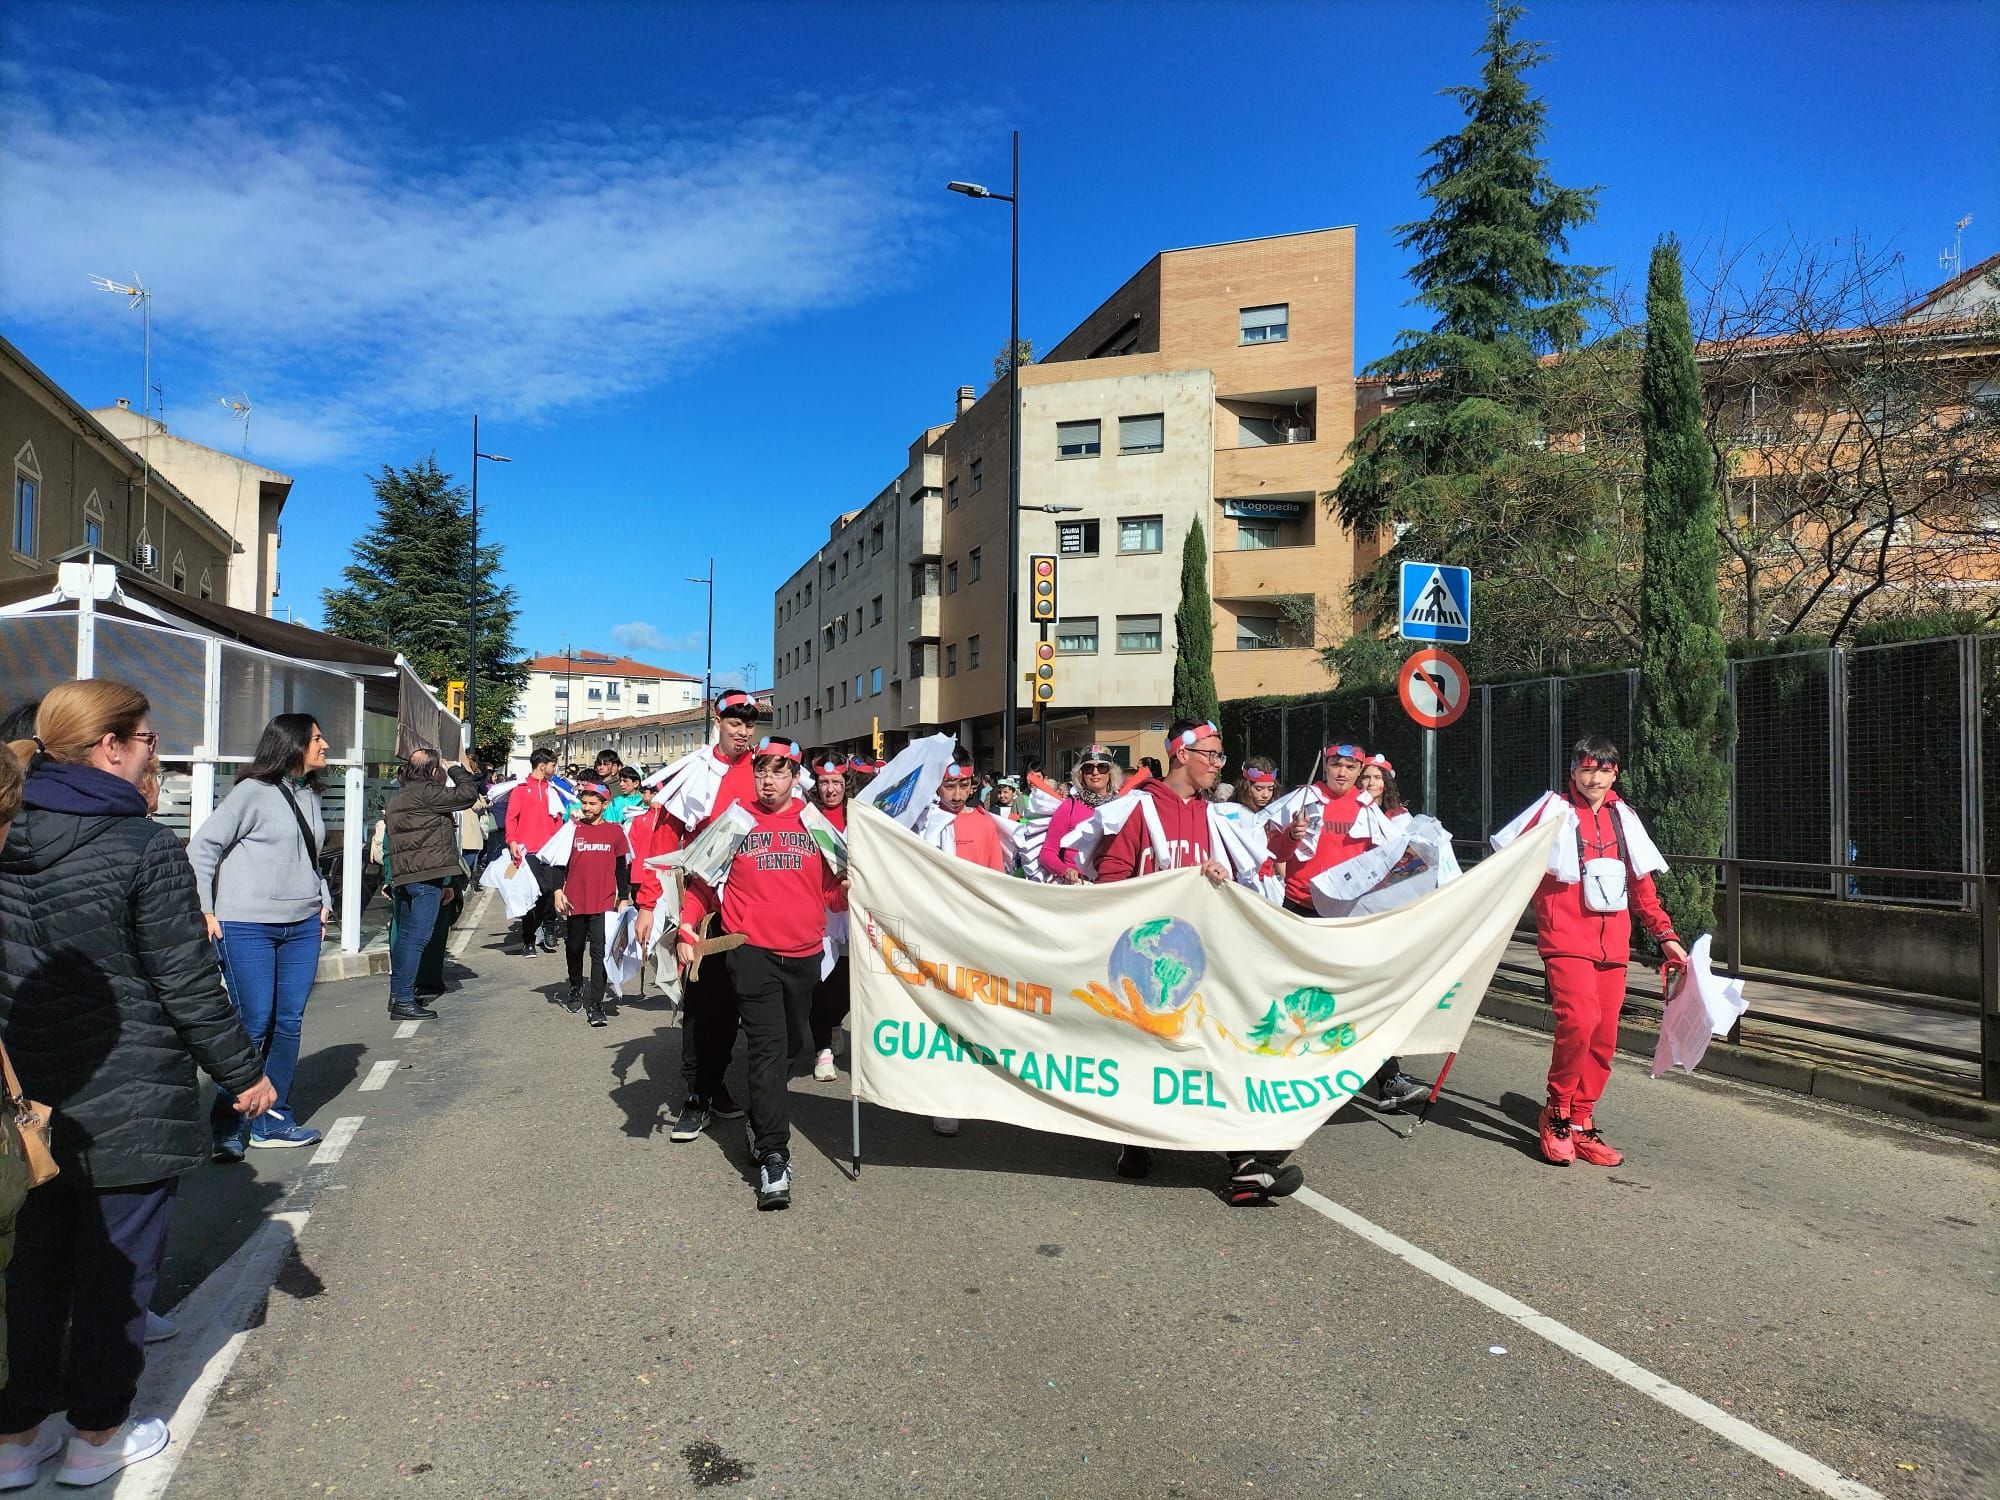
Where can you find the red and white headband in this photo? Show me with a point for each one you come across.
(1381, 762)
(956, 772)
(1344, 752)
(1251, 773)
(1186, 738)
(772, 745)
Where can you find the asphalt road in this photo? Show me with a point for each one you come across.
(513, 1284)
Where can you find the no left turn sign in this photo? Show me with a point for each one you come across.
(1434, 688)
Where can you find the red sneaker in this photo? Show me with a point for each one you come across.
(1558, 1146)
(1590, 1145)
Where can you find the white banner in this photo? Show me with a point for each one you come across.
(1161, 1011)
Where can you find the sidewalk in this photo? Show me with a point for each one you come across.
(1915, 1057)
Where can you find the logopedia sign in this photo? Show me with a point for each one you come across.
(1436, 604)
(1162, 1011)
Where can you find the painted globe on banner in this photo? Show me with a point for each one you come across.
(1164, 960)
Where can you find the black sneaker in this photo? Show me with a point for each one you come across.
(549, 945)
(726, 1108)
(774, 1181)
(1134, 1161)
(594, 1014)
(693, 1121)
(573, 999)
(1397, 1089)
(1252, 1182)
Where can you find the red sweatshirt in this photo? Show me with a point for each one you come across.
(530, 824)
(1129, 851)
(778, 888)
(1564, 928)
(651, 833)
(1337, 844)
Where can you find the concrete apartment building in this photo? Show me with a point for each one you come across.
(72, 483)
(246, 498)
(648, 740)
(1216, 383)
(579, 687)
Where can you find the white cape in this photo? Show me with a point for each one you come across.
(1639, 846)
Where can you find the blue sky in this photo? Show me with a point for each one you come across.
(695, 266)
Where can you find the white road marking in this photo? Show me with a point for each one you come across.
(335, 1144)
(407, 1030)
(214, 1320)
(1803, 1467)
(378, 1076)
(475, 916)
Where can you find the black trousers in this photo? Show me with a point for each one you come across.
(86, 1260)
(773, 997)
(581, 933)
(829, 1005)
(542, 921)
(708, 1005)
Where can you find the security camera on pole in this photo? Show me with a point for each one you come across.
(1436, 606)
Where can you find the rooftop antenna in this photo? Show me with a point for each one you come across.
(1953, 260)
(239, 408)
(142, 299)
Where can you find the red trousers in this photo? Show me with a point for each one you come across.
(1587, 997)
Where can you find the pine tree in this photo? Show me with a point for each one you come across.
(1194, 636)
(1679, 774)
(406, 590)
(1463, 465)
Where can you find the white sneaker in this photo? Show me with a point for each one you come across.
(20, 1463)
(139, 1439)
(823, 1069)
(944, 1125)
(159, 1328)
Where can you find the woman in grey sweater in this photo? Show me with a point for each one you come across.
(256, 864)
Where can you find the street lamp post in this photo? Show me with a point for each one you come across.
(472, 590)
(1010, 711)
(708, 659)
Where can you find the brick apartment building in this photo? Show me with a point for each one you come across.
(1216, 383)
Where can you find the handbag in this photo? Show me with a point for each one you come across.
(31, 1121)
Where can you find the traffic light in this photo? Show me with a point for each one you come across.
(454, 698)
(1045, 670)
(1042, 578)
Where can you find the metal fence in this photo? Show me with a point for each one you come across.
(1869, 756)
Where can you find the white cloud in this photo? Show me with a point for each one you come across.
(304, 243)
(638, 635)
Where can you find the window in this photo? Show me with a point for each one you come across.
(1258, 632)
(857, 620)
(951, 578)
(594, 693)
(206, 589)
(562, 693)
(1138, 632)
(1258, 432)
(843, 562)
(809, 593)
(1142, 434)
(972, 566)
(951, 493)
(27, 500)
(1266, 325)
(875, 537)
(857, 687)
(93, 521)
(827, 631)
(831, 574)
(951, 660)
(1077, 637)
(1984, 392)
(180, 574)
(611, 691)
(809, 650)
(643, 700)
(1139, 534)
(1077, 538)
(923, 658)
(1255, 536)
(843, 630)
(978, 465)
(876, 609)
(1077, 439)
(923, 580)
(971, 653)
(875, 683)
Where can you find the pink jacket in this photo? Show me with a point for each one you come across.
(1055, 858)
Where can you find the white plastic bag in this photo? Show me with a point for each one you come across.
(516, 883)
(1702, 1005)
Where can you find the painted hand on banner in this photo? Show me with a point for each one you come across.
(1168, 1026)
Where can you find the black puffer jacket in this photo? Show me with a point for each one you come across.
(421, 827)
(109, 989)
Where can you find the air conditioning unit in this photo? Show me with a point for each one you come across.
(1298, 434)
(145, 556)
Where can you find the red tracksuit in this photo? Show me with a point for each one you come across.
(1129, 851)
(1337, 844)
(1584, 954)
(530, 824)
(651, 834)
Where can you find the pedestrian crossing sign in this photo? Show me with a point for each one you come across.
(1436, 604)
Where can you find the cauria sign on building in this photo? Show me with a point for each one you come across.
(1162, 1011)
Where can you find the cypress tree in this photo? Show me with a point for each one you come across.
(1679, 775)
(406, 590)
(1461, 464)
(1194, 636)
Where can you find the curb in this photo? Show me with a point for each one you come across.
(1940, 1109)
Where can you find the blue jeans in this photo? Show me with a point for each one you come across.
(416, 915)
(270, 967)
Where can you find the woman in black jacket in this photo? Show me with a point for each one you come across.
(109, 997)
(421, 832)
